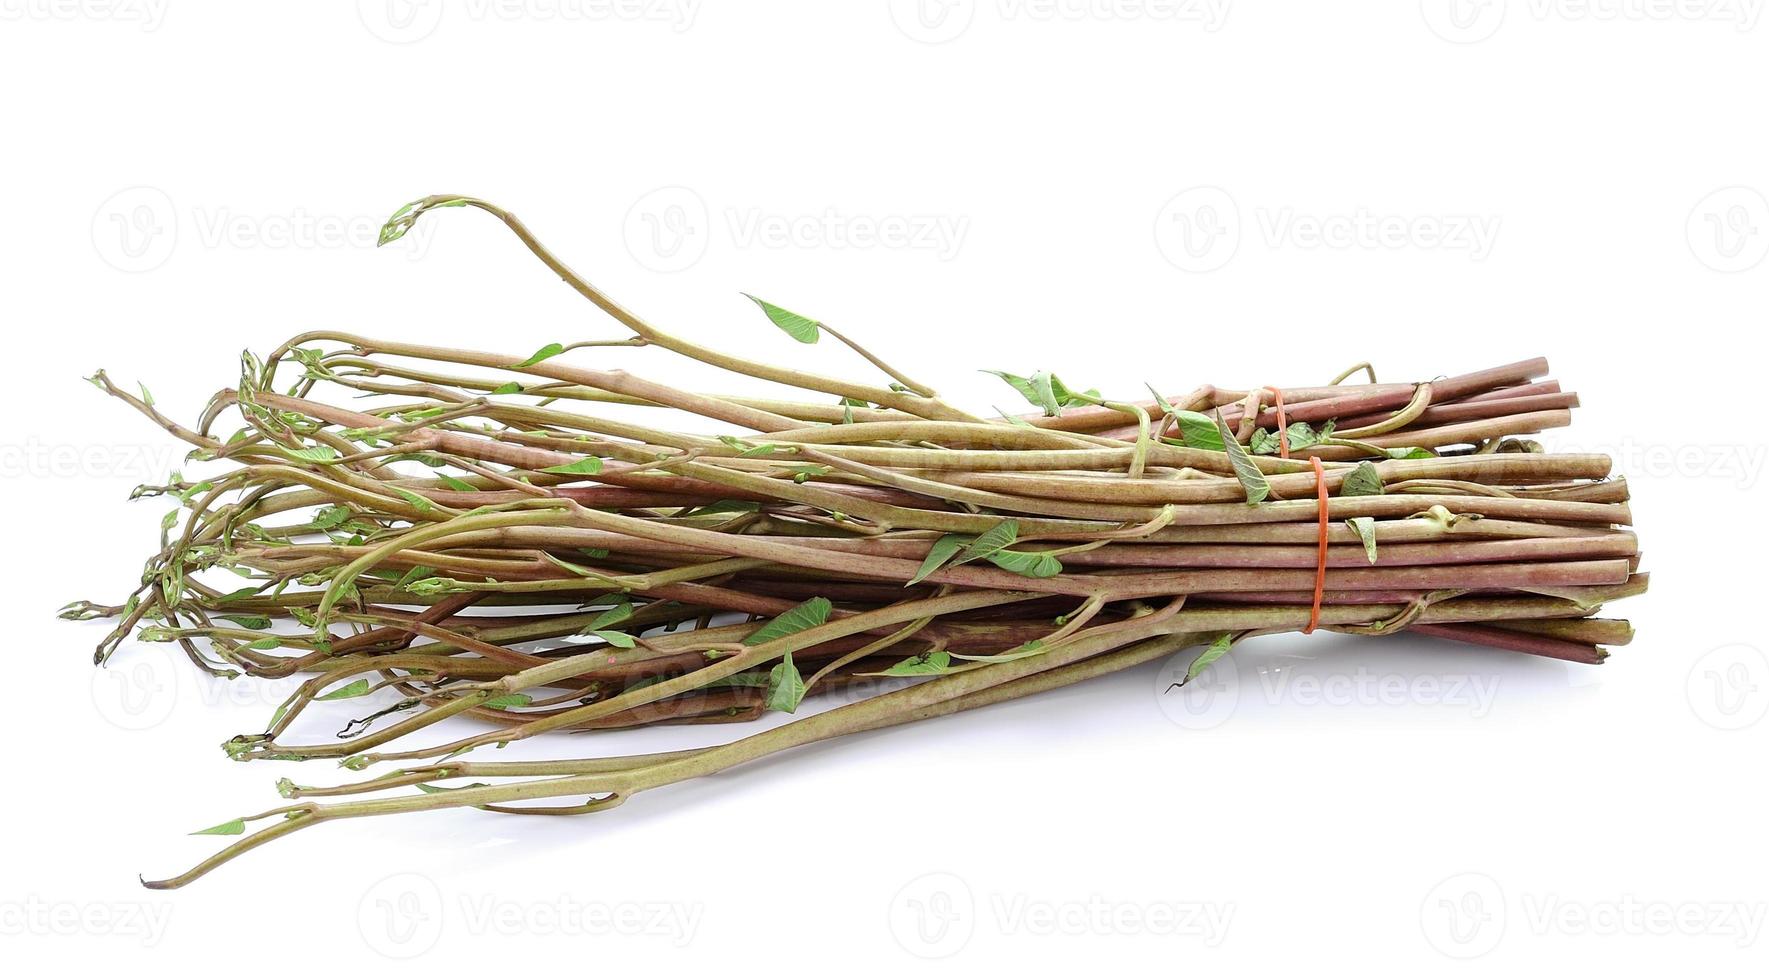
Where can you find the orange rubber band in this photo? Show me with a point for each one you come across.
(1320, 568)
(1277, 395)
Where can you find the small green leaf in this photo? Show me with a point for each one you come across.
(423, 504)
(615, 638)
(455, 483)
(354, 689)
(805, 615)
(231, 828)
(249, 622)
(800, 328)
(610, 617)
(1252, 480)
(931, 662)
(1363, 481)
(147, 397)
(507, 388)
(551, 350)
(507, 701)
(413, 574)
(942, 552)
(1209, 656)
(268, 643)
(589, 465)
(1037, 389)
(1198, 431)
(991, 541)
(331, 516)
(1410, 452)
(785, 687)
(1366, 531)
(1032, 564)
(315, 454)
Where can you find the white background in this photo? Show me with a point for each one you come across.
(185, 179)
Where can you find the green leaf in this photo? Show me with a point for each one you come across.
(331, 516)
(785, 687)
(610, 617)
(615, 638)
(723, 507)
(507, 701)
(147, 397)
(805, 615)
(1209, 656)
(249, 622)
(1363, 481)
(413, 574)
(268, 643)
(939, 554)
(1366, 531)
(455, 483)
(507, 388)
(423, 504)
(551, 350)
(354, 689)
(1303, 437)
(1032, 564)
(315, 454)
(1410, 452)
(1037, 389)
(800, 328)
(931, 662)
(231, 828)
(1252, 480)
(1198, 431)
(587, 465)
(1161, 401)
(991, 541)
